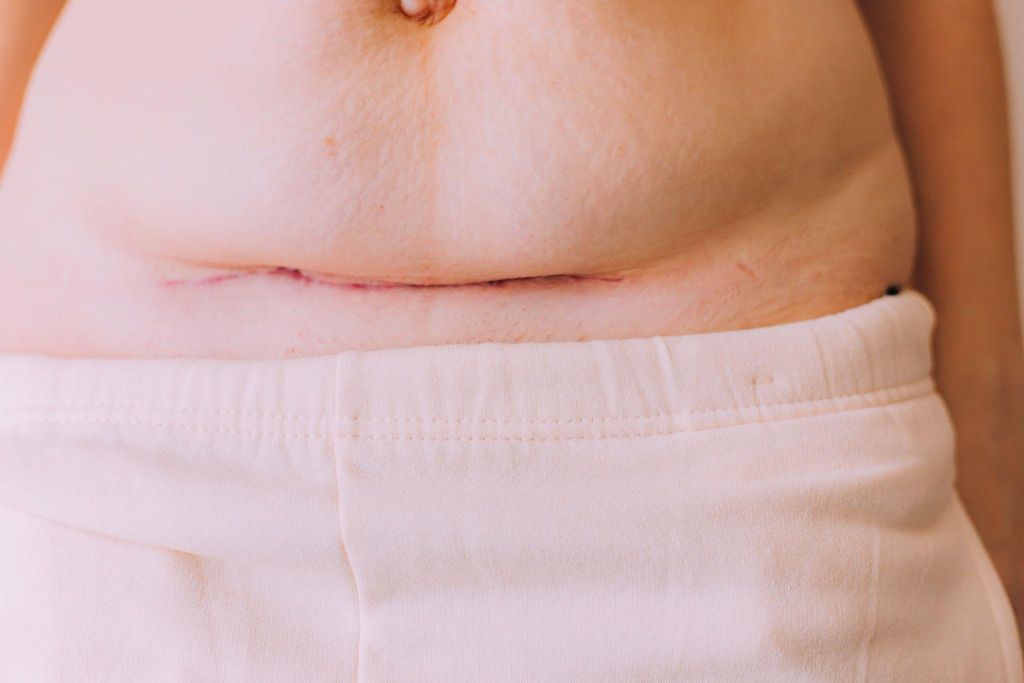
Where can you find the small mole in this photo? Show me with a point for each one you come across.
(426, 12)
(893, 290)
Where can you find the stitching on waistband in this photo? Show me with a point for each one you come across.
(397, 437)
(170, 409)
(927, 383)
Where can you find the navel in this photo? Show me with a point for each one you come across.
(426, 12)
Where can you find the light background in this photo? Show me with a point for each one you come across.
(1012, 23)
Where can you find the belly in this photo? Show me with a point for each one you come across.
(273, 178)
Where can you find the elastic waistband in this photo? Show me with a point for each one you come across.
(872, 354)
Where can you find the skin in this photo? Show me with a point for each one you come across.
(426, 11)
(23, 28)
(945, 72)
(367, 175)
(352, 144)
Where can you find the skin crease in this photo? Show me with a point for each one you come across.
(624, 169)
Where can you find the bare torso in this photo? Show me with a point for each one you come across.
(269, 178)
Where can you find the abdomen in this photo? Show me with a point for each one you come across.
(511, 139)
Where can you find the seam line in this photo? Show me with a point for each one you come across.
(869, 636)
(926, 382)
(341, 524)
(407, 437)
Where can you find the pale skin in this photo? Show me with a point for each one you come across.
(943, 73)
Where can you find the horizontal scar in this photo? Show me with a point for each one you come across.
(305, 278)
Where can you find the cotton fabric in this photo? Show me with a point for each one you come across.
(770, 504)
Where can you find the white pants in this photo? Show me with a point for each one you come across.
(773, 504)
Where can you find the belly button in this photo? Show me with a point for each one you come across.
(426, 12)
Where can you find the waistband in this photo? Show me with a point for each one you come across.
(872, 354)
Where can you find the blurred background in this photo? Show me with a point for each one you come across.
(1012, 22)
